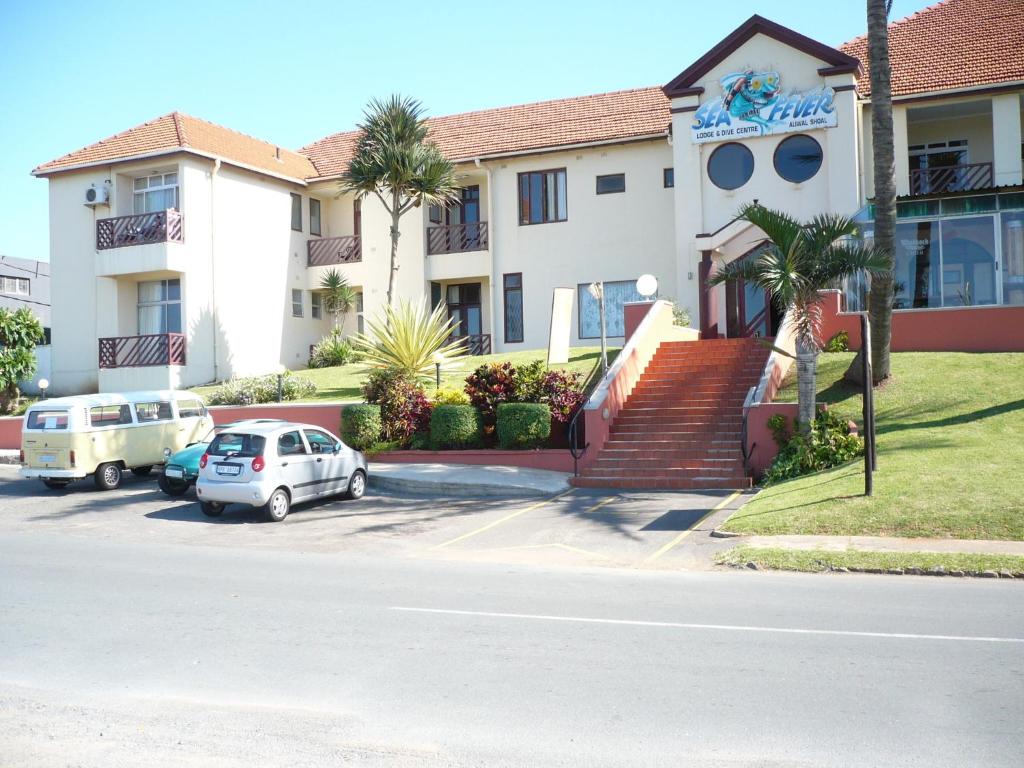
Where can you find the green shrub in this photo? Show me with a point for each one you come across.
(360, 425)
(455, 426)
(450, 397)
(404, 407)
(331, 350)
(523, 425)
(838, 343)
(828, 445)
(680, 316)
(528, 382)
(261, 389)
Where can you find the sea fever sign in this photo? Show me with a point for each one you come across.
(754, 104)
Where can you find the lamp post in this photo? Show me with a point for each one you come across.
(44, 384)
(438, 358)
(280, 382)
(597, 291)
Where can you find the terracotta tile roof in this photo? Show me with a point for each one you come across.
(616, 116)
(180, 131)
(953, 44)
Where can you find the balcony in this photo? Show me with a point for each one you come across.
(951, 178)
(142, 351)
(140, 229)
(476, 343)
(457, 238)
(325, 251)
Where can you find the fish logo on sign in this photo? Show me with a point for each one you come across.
(745, 94)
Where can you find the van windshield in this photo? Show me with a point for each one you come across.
(236, 444)
(47, 419)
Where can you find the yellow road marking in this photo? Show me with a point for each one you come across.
(506, 518)
(688, 531)
(600, 504)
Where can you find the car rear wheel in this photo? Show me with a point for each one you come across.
(108, 476)
(277, 506)
(142, 471)
(212, 508)
(172, 486)
(56, 484)
(356, 485)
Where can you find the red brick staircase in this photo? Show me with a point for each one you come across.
(681, 426)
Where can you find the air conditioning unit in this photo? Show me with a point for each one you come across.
(97, 195)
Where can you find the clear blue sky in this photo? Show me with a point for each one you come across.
(72, 73)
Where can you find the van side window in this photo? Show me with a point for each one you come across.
(148, 412)
(109, 415)
(190, 408)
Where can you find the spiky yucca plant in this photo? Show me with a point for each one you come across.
(798, 261)
(339, 296)
(406, 338)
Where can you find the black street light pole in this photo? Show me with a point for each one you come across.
(868, 400)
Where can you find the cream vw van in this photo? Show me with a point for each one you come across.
(103, 435)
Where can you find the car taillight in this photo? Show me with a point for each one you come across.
(71, 455)
(258, 464)
(203, 459)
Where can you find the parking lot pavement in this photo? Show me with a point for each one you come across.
(580, 527)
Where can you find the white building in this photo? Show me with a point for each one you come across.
(200, 255)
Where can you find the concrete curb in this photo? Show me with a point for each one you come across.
(718, 533)
(444, 488)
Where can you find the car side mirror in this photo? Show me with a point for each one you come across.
(337, 447)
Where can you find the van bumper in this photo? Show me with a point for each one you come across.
(62, 474)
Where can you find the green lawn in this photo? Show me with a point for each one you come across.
(343, 383)
(819, 560)
(950, 455)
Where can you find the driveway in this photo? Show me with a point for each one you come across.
(581, 527)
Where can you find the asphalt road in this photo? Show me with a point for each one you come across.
(117, 652)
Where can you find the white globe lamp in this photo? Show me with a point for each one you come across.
(647, 286)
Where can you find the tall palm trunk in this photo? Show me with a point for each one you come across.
(880, 303)
(396, 216)
(806, 383)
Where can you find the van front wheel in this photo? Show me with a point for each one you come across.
(108, 476)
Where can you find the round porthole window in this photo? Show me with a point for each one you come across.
(798, 158)
(731, 166)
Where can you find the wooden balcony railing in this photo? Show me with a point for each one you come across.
(456, 238)
(476, 343)
(140, 351)
(951, 178)
(140, 229)
(333, 250)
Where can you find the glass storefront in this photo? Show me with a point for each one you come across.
(957, 252)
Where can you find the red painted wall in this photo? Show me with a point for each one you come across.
(554, 460)
(326, 415)
(10, 432)
(960, 329)
(634, 313)
(761, 447)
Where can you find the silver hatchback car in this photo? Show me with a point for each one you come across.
(274, 465)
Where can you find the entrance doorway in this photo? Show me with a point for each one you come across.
(749, 310)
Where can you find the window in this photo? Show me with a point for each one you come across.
(731, 166)
(316, 300)
(938, 154)
(109, 415)
(434, 213)
(159, 306)
(464, 308)
(798, 158)
(615, 295)
(188, 409)
(290, 444)
(155, 193)
(513, 285)
(240, 445)
(319, 442)
(542, 197)
(314, 216)
(146, 412)
(608, 185)
(296, 212)
(16, 286)
(359, 312)
(47, 420)
(668, 177)
(296, 302)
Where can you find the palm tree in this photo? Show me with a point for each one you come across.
(339, 296)
(797, 261)
(394, 161)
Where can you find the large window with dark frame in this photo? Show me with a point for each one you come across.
(611, 183)
(513, 287)
(314, 216)
(542, 196)
(616, 294)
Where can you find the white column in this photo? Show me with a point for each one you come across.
(842, 157)
(688, 206)
(899, 145)
(1006, 139)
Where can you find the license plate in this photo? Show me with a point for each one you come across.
(172, 472)
(47, 458)
(228, 469)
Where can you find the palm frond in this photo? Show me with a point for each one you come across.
(779, 228)
(406, 338)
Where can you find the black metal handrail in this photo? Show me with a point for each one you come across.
(575, 449)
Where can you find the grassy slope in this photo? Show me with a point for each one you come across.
(818, 560)
(950, 455)
(343, 382)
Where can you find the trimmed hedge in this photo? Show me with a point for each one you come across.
(523, 425)
(360, 425)
(455, 426)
